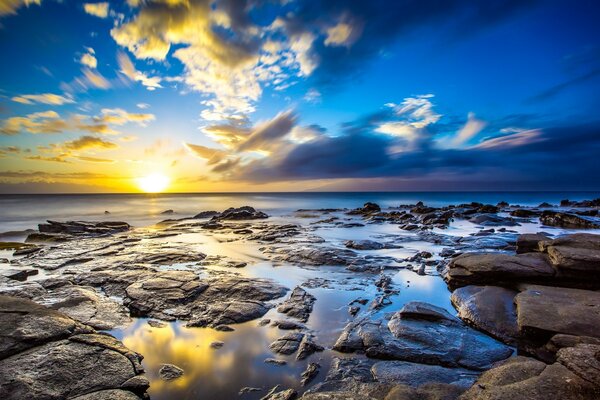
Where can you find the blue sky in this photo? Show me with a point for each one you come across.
(299, 95)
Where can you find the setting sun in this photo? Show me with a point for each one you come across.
(154, 183)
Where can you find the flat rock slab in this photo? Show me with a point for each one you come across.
(299, 305)
(490, 309)
(426, 334)
(573, 377)
(495, 268)
(413, 374)
(47, 355)
(288, 343)
(544, 310)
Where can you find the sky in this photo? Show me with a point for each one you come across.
(298, 95)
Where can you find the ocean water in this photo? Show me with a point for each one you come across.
(19, 212)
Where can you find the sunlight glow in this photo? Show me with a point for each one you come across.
(154, 183)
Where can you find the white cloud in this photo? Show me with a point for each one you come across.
(11, 6)
(471, 128)
(128, 69)
(99, 10)
(44, 98)
(89, 61)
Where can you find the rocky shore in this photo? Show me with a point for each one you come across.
(524, 282)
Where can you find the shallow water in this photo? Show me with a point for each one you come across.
(221, 373)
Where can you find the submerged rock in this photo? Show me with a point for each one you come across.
(168, 372)
(311, 371)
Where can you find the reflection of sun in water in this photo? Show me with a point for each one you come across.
(153, 183)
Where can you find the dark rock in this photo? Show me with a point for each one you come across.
(248, 389)
(525, 213)
(241, 213)
(84, 228)
(364, 245)
(168, 372)
(287, 344)
(528, 242)
(490, 309)
(275, 361)
(217, 345)
(288, 325)
(565, 220)
(276, 394)
(413, 374)
(367, 209)
(311, 371)
(18, 274)
(168, 212)
(299, 305)
(307, 347)
(543, 311)
(426, 334)
(205, 214)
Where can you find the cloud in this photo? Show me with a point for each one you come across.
(118, 116)
(520, 138)
(89, 142)
(128, 69)
(44, 98)
(11, 6)
(88, 60)
(469, 130)
(58, 159)
(39, 122)
(96, 160)
(99, 10)
(95, 79)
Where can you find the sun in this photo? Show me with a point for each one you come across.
(153, 183)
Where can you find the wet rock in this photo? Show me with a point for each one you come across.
(168, 212)
(276, 394)
(543, 311)
(307, 347)
(492, 220)
(566, 220)
(287, 344)
(490, 309)
(82, 228)
(273, 233)
(316, 256)
(525, 213)
(275, 361)
(364, 245)
(353, 310)
(232, 312)
(168, 372)
(45, 354)
(575, 256)
(156, 324)
(110, 394)
(206, 214)
(46, 238)
(426, 334)
(18, 274)
(495, 268)
(367, 209)
(428, 391)
(522, 377)
(311, 371)
(528, 242)
(85, 305)
(224, 328)
(217, 345)
(248, 389)
(288, 325)
(299, 305)
(241, 213)
(413, 374)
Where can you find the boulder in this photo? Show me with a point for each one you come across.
(413, 374)
(364, 245)
(543, 311)
(168, 372)
(241, 213)
(497, 268)
(490, 309)
(288, 343)
(423, 333)
(529, 242)
(567, 220)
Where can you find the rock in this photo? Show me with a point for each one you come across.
(307, 347)
(217, 345)
(492, 220)
(575, 256)
(528, 242)
(423, 333)
(310, 373)
(525, 213)
(287, 344)
(288, 325)
(316, 256)
(274, 394)
(232, 312)
(206, 214)
(413, 374)
(275, 361)
(566, 220)
(367, 209)
(84, 228)
(497, 268)
(168, 212)
(110, 394)
(46, 238)
(584, 361)
(45, 354)
(156, 324)
(18, 274)
(364, 245)
(429, 391)
(248, 389)
(241, 213)
(543, 311)
(490, 309)
(527, 378)
(299, 305)
(224, 328)
(169, 372)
